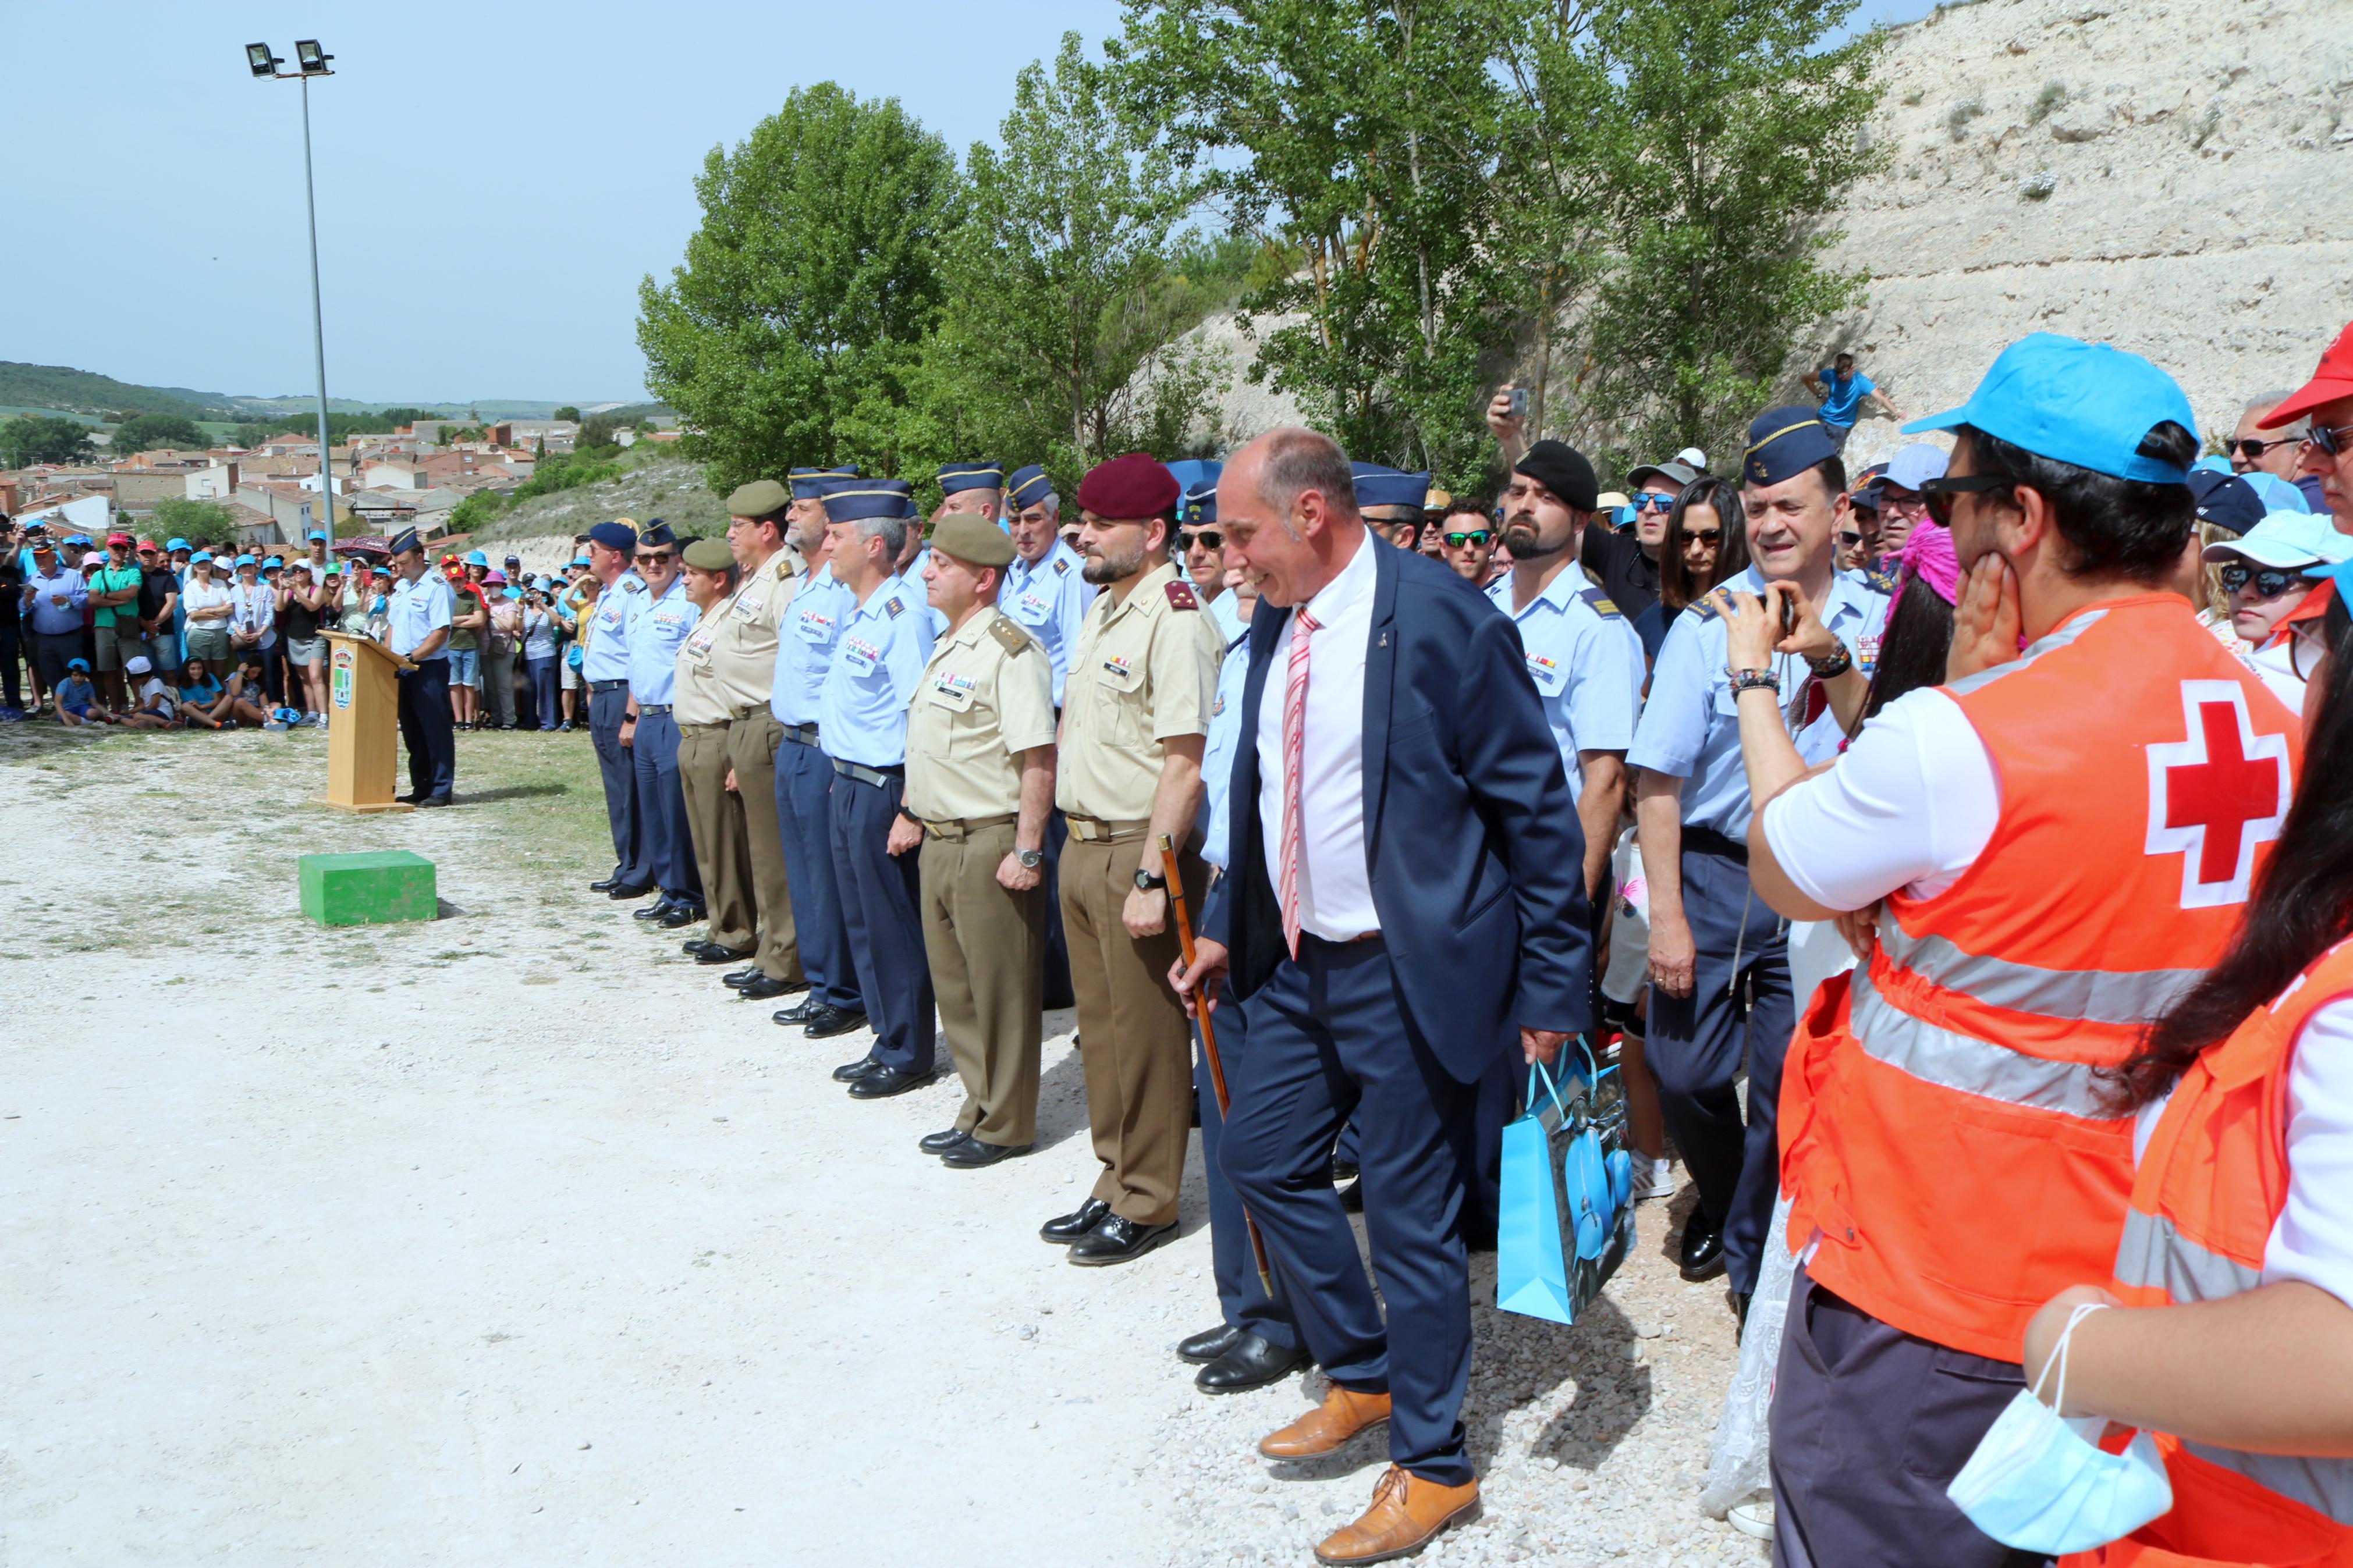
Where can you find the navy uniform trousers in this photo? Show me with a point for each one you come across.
(608, 704)
(1740, 1006)
(805, 823)
(425, 728)
(880, 907)
(1058, 992)
(666, 843)
(1329, 1039)
(1242, 1302)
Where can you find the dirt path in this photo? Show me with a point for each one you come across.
(506, 1240)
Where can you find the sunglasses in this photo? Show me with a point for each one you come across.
(1477, 536)
(1652, 501)
(2269, 581)
(1848, 536)
(647, 558)
(1207, 538)
(2329, 440)
(1937, 495)
(2253, 448)
(1708, 536)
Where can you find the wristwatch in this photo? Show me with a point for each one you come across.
(1148, 881)
(1030, 858)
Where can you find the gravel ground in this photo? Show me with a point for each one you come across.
(506, 1240)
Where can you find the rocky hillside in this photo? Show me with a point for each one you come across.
(2162, 175)
(540, 531)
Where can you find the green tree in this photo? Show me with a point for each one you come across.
(566, 412)
(179, 517)
(1366, 136)
(806, 292)
(1059, 291)
(148, 432)
(596, 430)
(33, 439)
(1732, 133)
(470, 515)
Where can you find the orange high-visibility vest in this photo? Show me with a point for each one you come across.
(1944, 1125)
(2210, 1187)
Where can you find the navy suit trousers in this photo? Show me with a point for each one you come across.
(606, 712)
(1329, 1039)
(805, 822)
(881, 908)
(1242, 1302)
(425, 728)
(661, 809)
(1739, 1009)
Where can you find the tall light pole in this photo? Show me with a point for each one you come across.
(310, 60)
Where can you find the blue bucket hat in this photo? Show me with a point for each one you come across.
(476, 558)
(849, 500)
(955, 477)
(2090, 405)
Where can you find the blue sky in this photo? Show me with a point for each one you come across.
(493, 181)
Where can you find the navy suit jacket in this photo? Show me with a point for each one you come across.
(1476, 857)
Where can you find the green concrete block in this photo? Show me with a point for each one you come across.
(367, 890)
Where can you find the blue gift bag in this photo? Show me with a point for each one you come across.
(1568, 1222)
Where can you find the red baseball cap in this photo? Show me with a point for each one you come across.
(2331, 381)
(118, 539)
(147, 544)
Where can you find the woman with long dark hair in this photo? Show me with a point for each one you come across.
(2232, 1327)
(1706, 542)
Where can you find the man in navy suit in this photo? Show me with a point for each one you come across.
(1404, 905)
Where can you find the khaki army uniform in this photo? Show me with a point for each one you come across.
(986, 696)
(744, 660)
(714, 819)
(1145, 670)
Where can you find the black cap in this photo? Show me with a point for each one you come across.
(2225, 500)
(1564, 470)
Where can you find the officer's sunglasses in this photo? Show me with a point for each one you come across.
(2331, 440)
(1207, 538)
(648, 557)
(2269, 581)
(1937, 495)
(1465, 541)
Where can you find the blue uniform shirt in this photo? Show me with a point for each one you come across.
(1051, 599)
(914, 577)
(416, 608)
(884, 644)
(1586, 664)
(606, 657)
(657, 626)
(1225, 730)
(1690, 729)
(804, 646)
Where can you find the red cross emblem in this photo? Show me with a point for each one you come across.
(2216, 795)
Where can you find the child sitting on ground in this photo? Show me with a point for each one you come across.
(77, 698)
(155, 703)
(204, 702)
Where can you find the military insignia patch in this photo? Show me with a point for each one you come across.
(1601, 603)
(895, 608)
(1060, 567)
(1180, 594)
(1010, 637)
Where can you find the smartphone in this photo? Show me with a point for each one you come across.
(1519, 403)
(1789, 614)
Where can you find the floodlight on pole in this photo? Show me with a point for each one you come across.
(310, 60)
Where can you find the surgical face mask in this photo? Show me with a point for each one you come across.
(2041, 1483)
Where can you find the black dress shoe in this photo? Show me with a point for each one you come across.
(1064, 1229)
(851, 1072)
(622, 892)
(604, 885)
(1206, 1346)
(1119, 1241)
(943, 1141)
(800, 1012)
(711, 953)
(432, 800)
(736, 979)
(692, 946)
(972, 1154)
(760, 988)
(1251, 1362)
(654, 911)
(1701, 1256)
(824, 1023)
(680, 916)
(884, 1082)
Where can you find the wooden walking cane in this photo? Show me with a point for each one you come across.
(1200, 1008)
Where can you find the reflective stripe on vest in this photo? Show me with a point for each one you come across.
(2090, 996)
(1971, 1066)
(2154, 1256)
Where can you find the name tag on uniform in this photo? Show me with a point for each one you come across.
(953, 690)
(1546, 671)
(1118, 674)
(698, 647)
(860, 655)
(816, 628)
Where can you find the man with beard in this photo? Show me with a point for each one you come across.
(1135, 712)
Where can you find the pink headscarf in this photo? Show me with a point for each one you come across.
(1927, 553)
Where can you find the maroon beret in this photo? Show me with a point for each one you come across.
(1137, 485)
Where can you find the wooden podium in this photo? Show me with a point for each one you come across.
(362, 720)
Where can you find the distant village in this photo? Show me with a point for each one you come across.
(413, 477)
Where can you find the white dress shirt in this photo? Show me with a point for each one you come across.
(1336, 892)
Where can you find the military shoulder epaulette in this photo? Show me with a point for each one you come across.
(633, 584)
(895, 606)
(1010, 637)
(1180, 596)
(1599, 602)
(1881, 582)
(1061, 565)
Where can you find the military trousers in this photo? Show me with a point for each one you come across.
(985, 942)
(751, 741)
(661, 809)
(608, 706)
(714, 820)
(1135, 1041)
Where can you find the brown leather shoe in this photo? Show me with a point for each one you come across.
(1405, 1515)
(1343, 1415)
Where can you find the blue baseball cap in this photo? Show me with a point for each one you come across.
(2275, 493)
(476, 558)
(1028, 486)
(2090, 405)
(2284, 540)
(1913, 466)
(318, 533)
(177, 544)
(80, 664)
(244, 561)
(582, 561)
(955, 477)
(274, 562)
(2225, 500)
(850, 499)
(204, 555)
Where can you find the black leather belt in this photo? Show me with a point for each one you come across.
(607, 685)
(646, 708)
(881, 778)
(804, 733)
(1708, 841)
